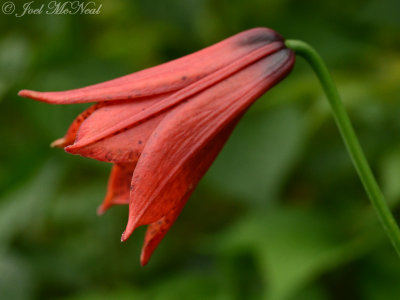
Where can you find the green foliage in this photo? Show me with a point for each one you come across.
(280, 215)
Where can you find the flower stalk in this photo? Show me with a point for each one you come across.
(350, 139)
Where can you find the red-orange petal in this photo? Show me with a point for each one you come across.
(70, 136)
(167, 77)
(121, 147)
(118, 187)
(197, 165)
(165, 173)
(182, 95)
(124, 147)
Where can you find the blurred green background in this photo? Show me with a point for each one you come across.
(280, 215)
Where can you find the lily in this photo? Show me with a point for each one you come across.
(162, 127)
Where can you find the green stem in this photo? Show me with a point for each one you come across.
(350, 139)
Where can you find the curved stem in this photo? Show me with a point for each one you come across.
(350, 139)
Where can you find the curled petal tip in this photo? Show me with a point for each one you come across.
(26, 93)
(101, 210)
(40, 96)
(63, 97)
(71, 149)
(144, 259)
(124, 236)
(130, 227)
(58, 143)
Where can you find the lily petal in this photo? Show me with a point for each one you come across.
(70, 136)
(201, 162)
(164, 173)
(185, 93)
(118, 187)
(123, 146)
(167, 77)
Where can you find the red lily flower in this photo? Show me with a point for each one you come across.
(163, 127)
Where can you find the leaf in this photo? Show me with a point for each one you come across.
(380, 275)
(292, 247)
(16, 282)
(195, 284)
